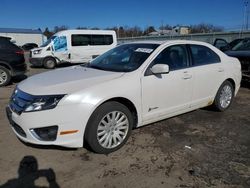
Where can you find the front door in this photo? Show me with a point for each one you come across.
(166, 94)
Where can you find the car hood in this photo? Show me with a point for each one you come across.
(65, 80)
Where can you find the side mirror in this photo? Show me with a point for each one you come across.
(160, 69)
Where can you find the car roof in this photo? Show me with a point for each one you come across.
(5, 38)
(169, 42)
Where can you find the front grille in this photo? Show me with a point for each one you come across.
(19, 101)
(30, 53)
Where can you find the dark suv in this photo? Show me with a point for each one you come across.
(12, 61)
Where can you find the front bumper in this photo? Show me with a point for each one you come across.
(36, 61)
(66, 118)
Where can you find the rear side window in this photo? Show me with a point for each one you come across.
(203, 55)
(93, 40)
(80, 40)
(6, 44)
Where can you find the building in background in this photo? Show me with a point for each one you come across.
(177, 30)
(181, 30)
(23, 36)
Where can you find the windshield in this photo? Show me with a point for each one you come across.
(48, 41)
(124, 58)
(243, 45)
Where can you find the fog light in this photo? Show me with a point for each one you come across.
(45, 133)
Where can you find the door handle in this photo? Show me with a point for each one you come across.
(220, 69)
(187, 76)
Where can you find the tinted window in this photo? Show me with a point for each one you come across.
(202, 55)
(174, 56)
(6, 44)
(97, 40)
(84, 40)
(80, 40)
(108, 39)
(244, 45)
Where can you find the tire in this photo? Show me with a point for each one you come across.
(224, 97)
(49, 63)
(5, 76)
(110, 138)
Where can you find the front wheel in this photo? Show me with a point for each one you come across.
(109, 127)
(224, 96)
(49, 63)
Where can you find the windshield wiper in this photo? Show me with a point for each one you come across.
(95, 67)
(85, 65)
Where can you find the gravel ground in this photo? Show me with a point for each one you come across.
(197, 149)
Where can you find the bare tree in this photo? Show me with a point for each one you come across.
(148, 30)
(205, 28)
(48, 33)
(60, 28)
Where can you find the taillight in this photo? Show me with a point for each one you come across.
(21, 52)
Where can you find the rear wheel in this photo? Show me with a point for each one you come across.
(49, 63)
(109, 127)
(4, 76)
(224, 96)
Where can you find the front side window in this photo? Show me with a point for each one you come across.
(60, 44)
(124, 58)
(174, 56)
(203, 55)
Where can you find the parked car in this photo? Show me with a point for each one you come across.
(223, 45)
(29, 46)
(242, 52)
(12, 61)
(132, 85)
(73, 46)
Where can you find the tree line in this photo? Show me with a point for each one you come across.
(136, 31)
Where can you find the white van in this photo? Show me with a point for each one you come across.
(74, 46)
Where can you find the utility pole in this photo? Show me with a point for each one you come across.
(246, 14)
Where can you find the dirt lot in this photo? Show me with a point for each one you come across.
(198, 149)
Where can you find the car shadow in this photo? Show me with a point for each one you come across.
(28, 172)
(47, 147)
(17, 79)
(245, 84)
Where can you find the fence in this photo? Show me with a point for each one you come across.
(205, 37)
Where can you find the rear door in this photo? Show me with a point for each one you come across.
(208, 74)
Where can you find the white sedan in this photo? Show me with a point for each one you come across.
(132, 85)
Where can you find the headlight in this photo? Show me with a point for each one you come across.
(43, 103)
(37, 51)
